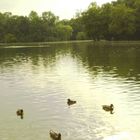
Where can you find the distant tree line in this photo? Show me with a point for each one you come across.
(118, 20)
(33, 28)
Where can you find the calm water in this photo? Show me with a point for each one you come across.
(40, 79)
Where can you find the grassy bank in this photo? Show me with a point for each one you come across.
(43, 43)
(102, 42)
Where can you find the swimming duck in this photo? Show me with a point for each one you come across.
(70, 102)
(108, 108)
(20, 113)
(54, 135)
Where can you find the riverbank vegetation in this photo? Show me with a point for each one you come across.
(118, 20)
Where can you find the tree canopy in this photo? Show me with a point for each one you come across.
(118, 20)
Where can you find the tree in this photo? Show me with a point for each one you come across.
(122, 25)
(64, 32)
(9, 38)
(77, 25)
(33, 16)
(49, 21)
(106, 11)
(50, 18)
(36, 27)
(92, 21)
(81, 36)
(137, 15)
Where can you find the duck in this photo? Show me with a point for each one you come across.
(20, 113)
(108, 108)
(54, 135)
(70, 102)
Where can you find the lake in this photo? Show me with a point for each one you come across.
(40, 79)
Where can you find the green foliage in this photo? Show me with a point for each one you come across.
(77, 25)
(33, 16)
(81, 36)
(122, 24)
(92, 21)
(106, 11)
(64, 32)
(50, 18)
(118, 20)
(9, 38)
(137, 15)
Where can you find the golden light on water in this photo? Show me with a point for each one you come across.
(120, 136)
(42, 84)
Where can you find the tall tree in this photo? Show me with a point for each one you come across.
(92, 21)
(122, 25)
(64, 32)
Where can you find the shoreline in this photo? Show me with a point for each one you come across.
(44, 43)
(102, 42)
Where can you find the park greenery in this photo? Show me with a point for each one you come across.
(118, 20)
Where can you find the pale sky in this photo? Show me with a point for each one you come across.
(65, 9)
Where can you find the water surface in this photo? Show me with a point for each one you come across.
(40, 79)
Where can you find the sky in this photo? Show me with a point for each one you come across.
(65, 9)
